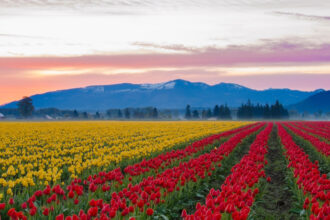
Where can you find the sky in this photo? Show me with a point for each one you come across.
(48, 45)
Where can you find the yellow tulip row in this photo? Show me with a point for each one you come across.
(39, 153)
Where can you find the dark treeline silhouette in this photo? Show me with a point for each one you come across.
(133, 113)
(250, 111)
(25, 109)
(219, 112)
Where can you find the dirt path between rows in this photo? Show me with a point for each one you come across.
(276, 200)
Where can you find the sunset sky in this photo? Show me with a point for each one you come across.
(57, 44)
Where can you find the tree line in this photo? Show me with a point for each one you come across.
(25, 109)
(219, 112)
(250, 111)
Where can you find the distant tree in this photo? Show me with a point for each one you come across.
(209, 113)
(195, 114)
(188, 112)
(85, 115)
(204, 114)
(155, 113)
(138, 113)
(225, 112)
(120, 114)
(278, 111)
(216, 111)
(127, 113)
(75, 114)
(267, 113)
(109, 113)
(245, 111)
(97, 115)
(25, 107)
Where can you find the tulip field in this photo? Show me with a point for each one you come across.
(165, 170)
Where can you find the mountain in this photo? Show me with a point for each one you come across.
(314, 103)
(172, 94)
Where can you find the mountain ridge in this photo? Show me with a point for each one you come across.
(171, 94)
(313, 103)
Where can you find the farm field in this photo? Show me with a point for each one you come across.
(164, 170)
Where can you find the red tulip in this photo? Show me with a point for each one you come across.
(150, 211)
(60, 217)
(2, 206)
(45, 212)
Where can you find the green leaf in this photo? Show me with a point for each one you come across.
(164, 217)
(200, 195)
(302, 212)
(297, 211)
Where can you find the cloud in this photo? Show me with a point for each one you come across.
(173, 47)
(23, 36)
(304, 16)
(276, 53)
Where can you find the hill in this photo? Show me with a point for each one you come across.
(172, 94)
(314, 103)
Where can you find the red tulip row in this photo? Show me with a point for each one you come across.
(103, 180)
(315, 187)
(166, 159)
(314, 130)
(321, 146)
(161, 161)
(140, 198)
(239, 189)
(322, 126)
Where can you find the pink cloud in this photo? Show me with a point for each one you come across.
(16, 80)
(280, 53)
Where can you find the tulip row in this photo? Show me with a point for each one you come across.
(35, 154)
(314, 130)
(140, 199)
(315, 188)
(321, 126)
(239, 189)
(321, 146)
(165, 160)
(103, 180)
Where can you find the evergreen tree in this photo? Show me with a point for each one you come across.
(85, 115)
(216, 111)
(209, 113)
(188, 112)
(97, 115)
(126, 113)
(155, 113)
(266, 112)
(75, 114)
(195, 114)
(226, 113)
(120, 114)
(109, 113)
(276, 111)
(25, 107)
(204, 114)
